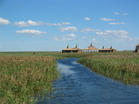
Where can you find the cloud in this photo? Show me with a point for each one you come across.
(69, 28)
(21, 24)
(66, 37)
(38, 23)
(56, 38)
(30, 32)
(87, 19)
(117, 23)
(28, 23)
(116, 13)
(33, 23)
(107, 19)
(71, 35)
(4, 21)
(66, 23)
(94, 40)
(88, 30)
(52, 24)
(125, 14)
(114, 33)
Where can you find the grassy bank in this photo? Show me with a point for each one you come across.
(59, 55)
(25, 75)
(122, 66)
(22, 78)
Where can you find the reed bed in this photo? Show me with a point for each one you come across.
(59, 55)
(24, 79)
(120, 66)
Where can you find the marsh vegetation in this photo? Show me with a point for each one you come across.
(123, 66)
(23, 79)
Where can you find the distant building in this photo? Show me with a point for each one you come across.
(91, 48)
(137, 48)
(107, 49)
(72, 50)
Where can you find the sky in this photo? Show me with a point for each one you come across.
(49, 25)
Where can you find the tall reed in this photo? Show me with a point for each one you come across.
(23, 79)
(123, 67)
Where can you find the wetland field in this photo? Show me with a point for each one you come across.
(27, 76)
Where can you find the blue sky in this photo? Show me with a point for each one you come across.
(49, 25)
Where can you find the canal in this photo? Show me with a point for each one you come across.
(78, 85)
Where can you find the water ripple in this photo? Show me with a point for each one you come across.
(78, 85)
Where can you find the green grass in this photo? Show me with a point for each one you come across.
(62, 55)
(122, 66)
(25, 78)
(57, 55)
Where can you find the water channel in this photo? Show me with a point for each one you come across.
(78, 85)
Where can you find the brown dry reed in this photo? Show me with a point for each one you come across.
(123, 66)
(23, 79)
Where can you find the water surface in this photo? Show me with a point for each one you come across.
(78, 85)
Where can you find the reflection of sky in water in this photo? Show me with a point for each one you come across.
(74, 62)
(65, 69)
(78, 85)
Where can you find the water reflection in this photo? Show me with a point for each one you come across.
(65, 69)
(77, 85)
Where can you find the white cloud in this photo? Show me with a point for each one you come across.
(117, 23)
(66, 37)
(38, 23)
(125, 14)
(69, 28)
(70, 36)
(52, 24)
(116, 33)
(116, 13)
(89, 30)
(33, 23)
(107, 19)
(87, 18)
(28, 23)
(31, 32)
(94, 40)
(66, 23)
(4, 21)
(56, 38)
(21, 23)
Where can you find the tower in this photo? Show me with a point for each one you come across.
(111, 47)
(91, 45)
(76, 46)
(137, 48)
(67, 46)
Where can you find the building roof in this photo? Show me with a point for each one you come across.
(72, 49)
(76, 48)
(91, 47)
(107, 49)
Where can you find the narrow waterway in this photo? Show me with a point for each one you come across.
(78, 85)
